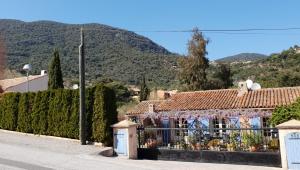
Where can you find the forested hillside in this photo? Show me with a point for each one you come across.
(278, 70)
(242, 57)
(111, 53)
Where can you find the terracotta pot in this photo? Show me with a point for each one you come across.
(253, 148)
(198, 146)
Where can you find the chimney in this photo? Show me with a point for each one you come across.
(151, 108)
(242, 88)
(43, 72)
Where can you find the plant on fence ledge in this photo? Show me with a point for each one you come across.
(151, 143)
(234, 138)
(273, 144)
(192, 140)
(252, 141)
(214, 144)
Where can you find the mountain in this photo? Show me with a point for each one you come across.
(242, 57)
(111, 53)
(278, 70)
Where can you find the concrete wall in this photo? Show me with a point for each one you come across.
(245, 158)
(38, 84)
(282, 134)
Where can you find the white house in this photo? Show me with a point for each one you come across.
(22, 84)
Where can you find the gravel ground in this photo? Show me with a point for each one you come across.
(24, 151)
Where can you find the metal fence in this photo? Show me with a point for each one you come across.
(216, 139)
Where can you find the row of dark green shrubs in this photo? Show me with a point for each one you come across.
(56, 113)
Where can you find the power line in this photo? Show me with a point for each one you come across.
(227, 30)
(236, 32)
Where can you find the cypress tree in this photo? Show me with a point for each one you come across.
(10, 111)
(144, 91)
(65, 115)
(73, 124)
(55, 74)
(104, 116)
(225, 75)
(55, 113)
(40, 112)
(89, 111)
(24, 112)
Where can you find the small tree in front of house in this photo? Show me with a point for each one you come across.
(55, 74)
(144, 91)
(192, 75)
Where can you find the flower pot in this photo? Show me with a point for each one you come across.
(253, 148)
(198, 146)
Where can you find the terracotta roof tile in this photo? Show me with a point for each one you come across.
(143, 106)
(223, 99)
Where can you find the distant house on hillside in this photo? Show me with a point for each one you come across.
(21, 84)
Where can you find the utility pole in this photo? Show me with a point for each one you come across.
(82, 117)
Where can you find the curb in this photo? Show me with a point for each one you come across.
(50, 137)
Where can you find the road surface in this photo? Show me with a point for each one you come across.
(22, 151)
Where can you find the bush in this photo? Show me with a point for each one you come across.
(89, 111)
(40, 112)
(56, 112)
(104, 115)
(285, 113)
(9, 111)
(26, 101)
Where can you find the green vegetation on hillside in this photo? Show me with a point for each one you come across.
(278, 70)
(242, 57)
(110, 52)
(123, 56)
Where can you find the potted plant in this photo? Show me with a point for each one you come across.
(252, 141)
(192, 141)
(214, 145)
(233, 141)
(273, 145)
(151, 143)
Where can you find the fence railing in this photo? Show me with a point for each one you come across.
(216, 139)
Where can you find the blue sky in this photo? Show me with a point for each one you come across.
(151, 15)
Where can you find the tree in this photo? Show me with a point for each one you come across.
(144, 91)
(26, 101)
(104, 115)
(55, 74)
(192, 73)
(282, 114)
(224, 75)
(40, 110)
(9, 109)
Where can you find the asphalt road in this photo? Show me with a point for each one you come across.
(21, 151)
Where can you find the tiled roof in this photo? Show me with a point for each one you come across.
(225, 99)
(143, 106)
(6, 83)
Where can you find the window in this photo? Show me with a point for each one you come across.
(181, 123)
(217, 124)
(265, 124)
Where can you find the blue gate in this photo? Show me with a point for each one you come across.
(121, 142)
(292, 144)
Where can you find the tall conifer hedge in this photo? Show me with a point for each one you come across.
(56, 113)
